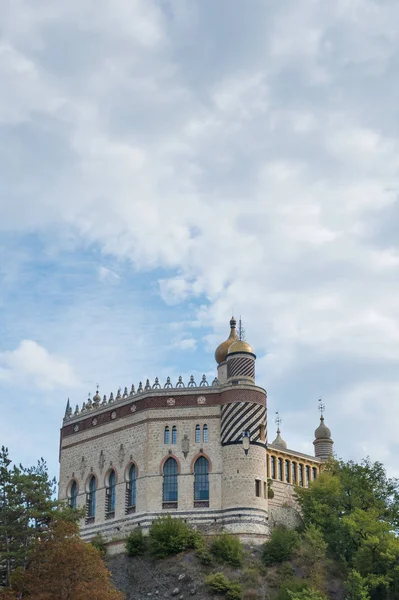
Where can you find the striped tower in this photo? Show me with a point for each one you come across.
(243, 440)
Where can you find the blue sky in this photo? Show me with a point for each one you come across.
(164, 163)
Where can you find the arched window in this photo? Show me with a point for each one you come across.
(314, 471)
(91, 500)
(205, 434)
(166, 436)
(201, 482)
(300, 474)
(131, 490)
(73, 494)
(174, 434)
(294, 472)
(273, 467)
(110, 495)
(280, 469)
(170, 490)
(287, 471)
(307, 475)
(197, 434)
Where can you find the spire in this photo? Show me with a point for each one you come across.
(68, 410)
(279, 440)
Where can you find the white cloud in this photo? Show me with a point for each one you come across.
(31, 365)
(256, 173)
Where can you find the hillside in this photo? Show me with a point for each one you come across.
(183, 576)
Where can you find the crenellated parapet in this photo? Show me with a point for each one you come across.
(98, 403)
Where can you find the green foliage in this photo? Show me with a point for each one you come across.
(270, 491)
(26, 510)
(250, 577)
(306, 594)
(338, 492)
(99, 543)
(170, 536)
(356, 587)
(136, 543)
(219, 584)
(228, 549)
(310, 556)
(280, 546)
(289, 587)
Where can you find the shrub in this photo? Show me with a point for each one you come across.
(310, 556)
(99, 543)
(281, 545)
(306, 594)
(136, 543)
(288, 588)
(219, 584)
(171, 536)
(227, 548)
(250, 576)
(252, 594)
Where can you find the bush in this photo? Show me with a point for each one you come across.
(99, 543)
(250, 577)
(306, 594)
(288, 588)
(136, 543)
(227, 548)
(310, 556)
(219, 584)
(281, 545)
(170, 536)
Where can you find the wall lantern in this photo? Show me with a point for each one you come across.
(246, 441)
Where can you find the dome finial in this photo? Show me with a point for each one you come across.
(279, 440)
(221, 350)
(323, 443)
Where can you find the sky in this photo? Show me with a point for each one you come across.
(165, 164)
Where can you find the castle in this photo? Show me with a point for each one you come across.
(197, 451)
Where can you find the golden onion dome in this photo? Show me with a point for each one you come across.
(240, 346)
(222, 349)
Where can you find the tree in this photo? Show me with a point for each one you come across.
(26, 510)
(338, 492)
(62, 566)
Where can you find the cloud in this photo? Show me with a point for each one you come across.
(32, 365)
(223, 162)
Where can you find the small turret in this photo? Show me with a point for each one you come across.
(279, 442)
(323, 444)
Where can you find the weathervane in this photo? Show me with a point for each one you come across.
(241, 330)
(278, 420)
(322, 408)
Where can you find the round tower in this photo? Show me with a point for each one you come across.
(243, 441)
(323, 444)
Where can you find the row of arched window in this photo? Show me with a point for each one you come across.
(291, 471)
(170, 489)
(198, 438)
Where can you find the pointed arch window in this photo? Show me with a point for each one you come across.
(73, 494)
(170, 484)
(174, 434)
(166, 436)
(197, 434)
(91, 500)
(131, 490)
(205, 434)
(110, 495)
(201, 483)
